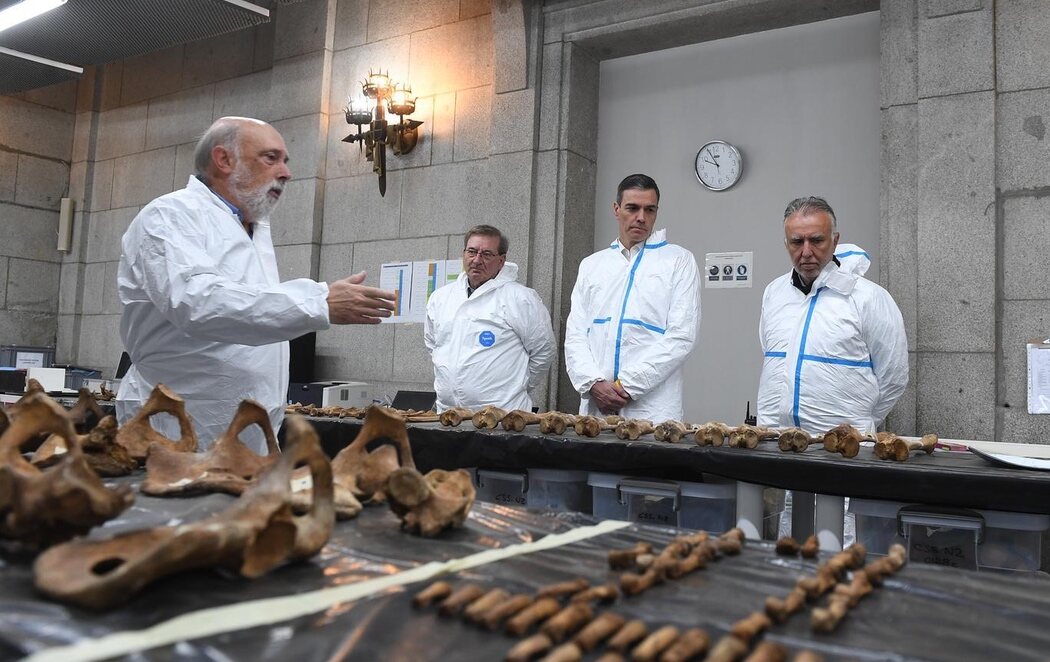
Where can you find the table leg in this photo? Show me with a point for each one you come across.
(801, 515)
(828, 515)
(749, 508)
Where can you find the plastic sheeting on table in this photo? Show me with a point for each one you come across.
(943, 478)
(924, 613)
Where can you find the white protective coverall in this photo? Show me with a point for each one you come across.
(490, 348)
(635, 320)
(205, 313)
(836, 355)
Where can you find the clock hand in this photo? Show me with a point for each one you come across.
(713, 163)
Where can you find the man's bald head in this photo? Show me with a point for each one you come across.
(224, 132)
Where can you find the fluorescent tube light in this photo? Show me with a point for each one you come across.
(26, 10)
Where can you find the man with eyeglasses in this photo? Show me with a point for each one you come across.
(834, 342)
(490, 337)
(635, 315)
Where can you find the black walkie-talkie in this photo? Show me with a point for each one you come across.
(748, 418)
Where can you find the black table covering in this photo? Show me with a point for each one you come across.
(923, 613)
(944, 478)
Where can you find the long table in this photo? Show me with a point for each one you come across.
(361, 583)
(945, 478)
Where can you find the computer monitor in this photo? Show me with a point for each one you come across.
(417, 400)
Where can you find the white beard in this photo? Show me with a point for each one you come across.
(256, 203)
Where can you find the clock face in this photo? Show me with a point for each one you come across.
(718, 165)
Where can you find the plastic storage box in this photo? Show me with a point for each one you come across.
(554, 489)
(710, 506)
(1004, 541)
(21, 356)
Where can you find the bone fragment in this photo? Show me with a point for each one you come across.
(621, 559)
(811, 547)
(748, 436)
(633, 428)
(538, 611)
(625, 637)
(255, 534)
(843, 439)
(477, 609)
(603, 593)
(567, 621)
(654, 644)
(598, 630)
(516, 420)
(433, 593)
(563, 588)
(592, 426)
(690, 644)
(728, 649)
(504, 610)
(567, 652)
(778, 610)
(43, 507)
(86, 413)
(787, 546)
(749, 627)
(795, 440)
(137, 435)
(901, 449)
(228, 466)
(453, 417)
(459, 599)
(487, 418)
(767, 651)
(527, 649)
(429, 504)
(711, 433)
(103, 454)
(671, 431)
(555, 422)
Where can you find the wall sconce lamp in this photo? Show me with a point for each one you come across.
(380, 96)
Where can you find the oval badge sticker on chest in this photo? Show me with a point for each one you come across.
(487, 338)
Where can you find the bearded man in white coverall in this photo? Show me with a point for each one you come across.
(834, 342)
(203, 308)
(635, 315)
(490, 337)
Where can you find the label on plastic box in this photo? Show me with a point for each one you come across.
(943, 546)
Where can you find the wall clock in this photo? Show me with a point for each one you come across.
(718, 165)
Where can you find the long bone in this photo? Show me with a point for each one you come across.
(228, 466)
(711, 433)
(843, 439)
(555, 422)
(43, 507)
(633, 428)
(748, 436)
(795, 440)
(487, 418)
(137, 435)
(671, 431)
(592, 426)
(453, 417)
(516, 420)
(255, 534)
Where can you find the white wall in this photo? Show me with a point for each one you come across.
(802, 105)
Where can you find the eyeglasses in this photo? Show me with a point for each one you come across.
(473, 253)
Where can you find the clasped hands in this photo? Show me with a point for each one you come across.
(610, 396)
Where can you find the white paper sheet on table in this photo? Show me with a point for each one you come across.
(1021, 461)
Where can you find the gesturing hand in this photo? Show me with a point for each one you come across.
(350, 302)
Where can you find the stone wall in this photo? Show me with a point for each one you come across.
(36, 139)
(966, 178)
(507, 90)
